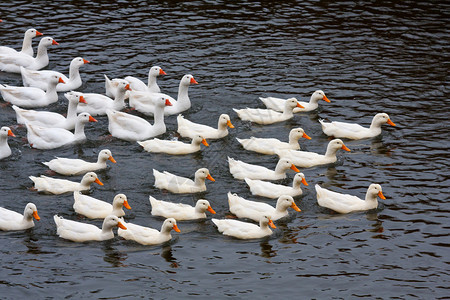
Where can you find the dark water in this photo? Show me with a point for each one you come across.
(368, 57)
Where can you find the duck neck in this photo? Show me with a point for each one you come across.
(293, 141)
(79, 131)
(4, 142)
(165, 230)
(279, 169)
(26, 46)
(296, 184)
(118, 209)
(183, 97)
(159, 117)
(200, 182)
(107, 229)
(222, 127)
(72, 110)
(74, 72)
(42, 54)
(288, 112)
(375, 125)
(372, 198)
(152, 85)
(331, 152)
(119, 100)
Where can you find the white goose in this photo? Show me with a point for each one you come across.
(60, 186)
(11, 220)
(304, 159)
(5, 151)
(50, 138)
(51, 119)
(245, 230)
(180, 211)
(73, 166)
(146, 105)
(30, 97)
(278, 103)
(272, 190)
(98, 209)
(356, 131)
(40, 78)
(173, 147)
(242, 170)
(178, 184)
(268, 116)
(253, 210)
(344, 203)
(149, 236)
(82, 232)
(26, 44)
(98, 104)
(133, 128)
(13, 62)
(269, 145)
(152, 87)
(190, 129)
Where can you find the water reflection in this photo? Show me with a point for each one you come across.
(167, 254)
(266, 250)
(112, 255)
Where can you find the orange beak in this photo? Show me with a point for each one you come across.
(345, 148)
(91, 119)
(82, 100)
(175, 227)
(211, 210)
(127, 87)
(295, 207)
(229, 124)
(86, 61)
(161, 72)
(299, 105)
(304, 181)
(38, 33)
(121, 226)
(55, 42)
(10, 133)
(380, 194)
(325, 98)
(210, 178)
(61, 80)
(390, 122)
(293, 167)
(306, 136)
(99, 182)
(193, 81)
(271, 224)
(204, 142)
(36, 216)
(125, 203)
(112, 159)
(168, 103)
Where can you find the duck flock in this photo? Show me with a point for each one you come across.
(49, 130)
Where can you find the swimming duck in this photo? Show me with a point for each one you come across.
(272, 190)
(40, 78)
(149, 236)
(111, 86)
(242, 170)
(5, 151)
(50, 138)
(73, 166)
(82, 232)
(253, 210)
(190, 129)
(173, 147)
(269, 145)
(178, 184)
(98, 209)
(356, 131)
(245, 230)
(278, 103)
(344, 203)
(152, 87)
(133, 128)
(268, 116)
(60, 186)
(11, 220)
(180, 211)
(304, 159)
(26, 44)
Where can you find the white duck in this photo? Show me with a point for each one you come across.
(82, 232)
(149, 236)
(180, 211)
(146, 105)
(190, 129)
(278, 103)
(73, 166)
(50, 138)
(26, 44)
(13, 62)
(355, 131)
(253, 210)
(51, 119)
(31, 96)
(269, 145)
(268, 116)
(152, 87)
(242, 170)
(98, 104)
(173, 147)
(98, 209)
(60, 186)
(178, 184)
(304, 159)
(245, 230)
(5, 151)
(344, 203)
(133, 128)
(11, 220)
(272, 190)
(40, 78)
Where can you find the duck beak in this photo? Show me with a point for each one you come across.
(204, 142)
(380, 194)
(229, 124)
(55, 42)
(86, 61)
(299, 105)
(210, 178)
(168, 103)
(36, 216)
(82, 100)
(345, 148)
(390, 122)
(271, 224)
(98, 181)
(175, 227)
(193, 81)
(61, 80)
(10, 133)
(91, 119)
(121, 226)
(293, 167)
(306, 136)
(125, 203)
(295, 207)
(112, 159)
(211, 210)
(325, 98)
(161, 72)
(127, 87)
(39, 33)
(304, 181)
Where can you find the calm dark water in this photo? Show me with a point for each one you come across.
(368, 57)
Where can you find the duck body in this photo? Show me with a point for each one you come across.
(245, 230)
(11, 220)
(152, 86)
(5, 150)
(59, 186)
(242, 170)
(190, 129)
(178, 184)
(97, 209)
(344, 203)
(180, 211)
(268, 116)
(173, 147)
(272, 190)
(27, 47)
(149, 236)
(277, 104)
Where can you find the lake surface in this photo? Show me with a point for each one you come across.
(367, 57)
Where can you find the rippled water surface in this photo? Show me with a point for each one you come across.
(367, 57)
